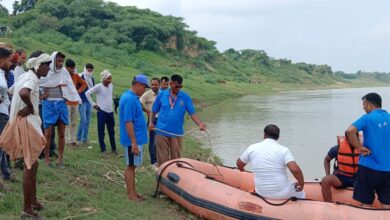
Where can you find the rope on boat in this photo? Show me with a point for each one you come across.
(293, 198)
(173, 134)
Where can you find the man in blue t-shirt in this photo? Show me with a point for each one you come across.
(133, 131)
(374, 164)
(171, 106)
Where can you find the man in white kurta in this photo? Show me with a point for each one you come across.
(25, 103)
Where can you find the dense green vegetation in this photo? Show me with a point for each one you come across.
(127, 41)
(125, 37)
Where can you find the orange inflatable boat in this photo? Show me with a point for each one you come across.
(218, 192)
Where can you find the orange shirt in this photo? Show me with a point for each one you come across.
(80, 85)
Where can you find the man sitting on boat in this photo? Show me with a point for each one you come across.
(344, 169)
(269, 160)
(373, 175)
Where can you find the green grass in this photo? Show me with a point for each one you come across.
(92, 187)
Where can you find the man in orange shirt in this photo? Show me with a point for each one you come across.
(80, 85)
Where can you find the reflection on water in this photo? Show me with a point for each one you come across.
(309, 123)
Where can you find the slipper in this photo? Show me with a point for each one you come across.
(34, 216)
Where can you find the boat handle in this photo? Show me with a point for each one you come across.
(173, 177)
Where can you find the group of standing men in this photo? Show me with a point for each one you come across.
(57, 94)
(165, 107)
(48, 95)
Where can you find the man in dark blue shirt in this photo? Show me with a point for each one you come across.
(337, 180)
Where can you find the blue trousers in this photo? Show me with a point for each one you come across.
(85, 118)
(106, 119)
(152, 144)
(5, 168)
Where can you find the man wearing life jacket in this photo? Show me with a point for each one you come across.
(373, 174)
(344, 169)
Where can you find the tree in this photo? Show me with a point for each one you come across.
(23, 6)
(3, 10)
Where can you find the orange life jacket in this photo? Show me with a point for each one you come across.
(347, 157)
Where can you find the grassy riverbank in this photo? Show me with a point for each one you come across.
(127, 41)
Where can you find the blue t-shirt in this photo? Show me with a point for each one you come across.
(130, 110)
(332, 154)
(172, 119)
(376, 131)
(82, 95)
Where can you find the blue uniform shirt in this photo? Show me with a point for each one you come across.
(376, 131)
(172, 119)
(130, 110)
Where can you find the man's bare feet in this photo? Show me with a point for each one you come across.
(48, 163)
(135, 198)
(37, 206)
(140, 196)
(30, 214)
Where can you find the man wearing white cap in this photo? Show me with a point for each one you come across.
(25, 103)
(103, 106)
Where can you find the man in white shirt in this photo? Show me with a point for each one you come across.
(25, 103)
(20, 58)
(103, 106)
(269, 161)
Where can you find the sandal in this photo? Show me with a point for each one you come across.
(34, 216)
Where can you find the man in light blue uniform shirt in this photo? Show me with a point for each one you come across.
(374, 163)
(171, 106)
(133, 131)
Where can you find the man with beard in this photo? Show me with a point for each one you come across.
(147, 100)
(19, 59)
(171, 106)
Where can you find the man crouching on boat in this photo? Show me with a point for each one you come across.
(269, 161)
